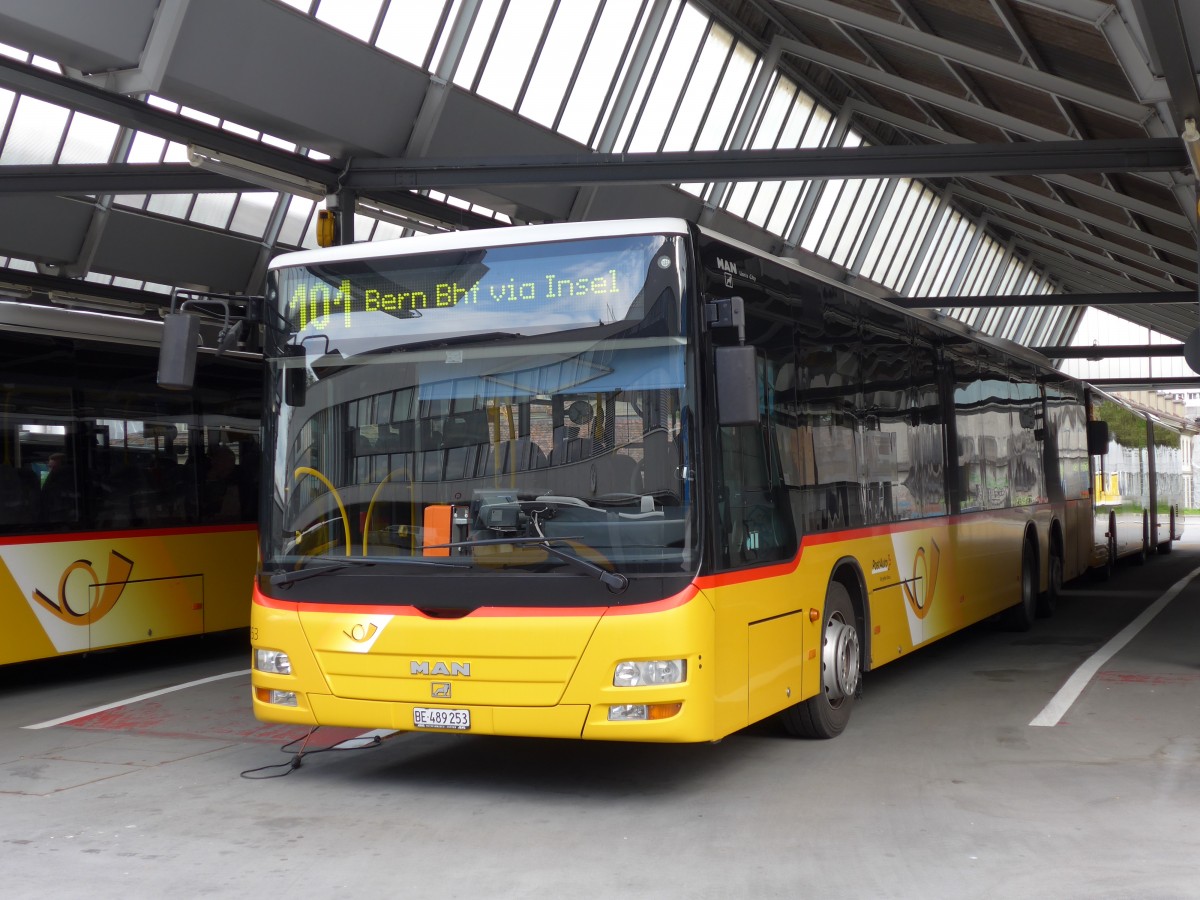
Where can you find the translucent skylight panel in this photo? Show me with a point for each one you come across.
(987, 258)
(764, 138)
(253, 212)
(860, 209)
(917, 224)
(7, 99)
(241, 130)
(831, 214)
(176, 206)
(788, 198)
(645, 83)
(669, 82)
(476, 45)
(14, 53)
(295, 222)
(730, 93)
(1009, 279)
(617, 29)
(89, 140)
(685, 129)
(133, 201)
(386, 231)
(408, 29)
(882, 248)
(946, 258)
(562, 51)
(353, 17)
(512, 52)
(213, 209)
(175, 152)
(146, 148)
(34, 134)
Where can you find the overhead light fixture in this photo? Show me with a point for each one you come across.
(71, 300)
(15, 291)
(1191, 142)
(253, 173)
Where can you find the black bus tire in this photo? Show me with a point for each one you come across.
(1047, 601)
(1021, 616)
(825, 714)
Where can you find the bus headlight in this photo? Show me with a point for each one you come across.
(274, 661)
(655, 671)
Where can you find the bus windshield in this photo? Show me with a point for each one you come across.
(500, 410)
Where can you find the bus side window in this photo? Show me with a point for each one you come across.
(754, 504)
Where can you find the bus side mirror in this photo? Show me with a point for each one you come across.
(737, 385)
(295, 377)
(177, 352)
(1097, 438)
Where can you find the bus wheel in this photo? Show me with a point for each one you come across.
(825, 714)
(1047, 602)
(1021, 616)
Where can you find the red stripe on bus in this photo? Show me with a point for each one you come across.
(685, 596)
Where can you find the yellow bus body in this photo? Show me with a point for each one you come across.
(751, 640)
(64, 594)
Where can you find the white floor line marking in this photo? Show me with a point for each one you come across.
(365, 739)
(139, 697)
(1069, 692)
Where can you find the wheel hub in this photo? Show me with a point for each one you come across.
(840, 660)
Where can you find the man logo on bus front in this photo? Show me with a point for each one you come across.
(97, 606)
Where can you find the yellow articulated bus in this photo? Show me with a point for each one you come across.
(127, 513)
(634, 481)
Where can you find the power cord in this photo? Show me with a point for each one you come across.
(296, 760)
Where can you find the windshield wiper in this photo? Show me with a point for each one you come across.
(614, 581)
(281, 579)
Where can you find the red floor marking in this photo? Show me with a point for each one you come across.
(1145, 678)
(229, 721)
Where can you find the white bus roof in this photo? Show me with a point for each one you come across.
(484, 237)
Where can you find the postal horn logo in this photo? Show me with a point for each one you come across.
(918, 591)
(100, 596)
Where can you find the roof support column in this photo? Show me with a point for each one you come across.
(441, 80)
(612, 128)
(147, 75)
(95, 230)
(256, 283)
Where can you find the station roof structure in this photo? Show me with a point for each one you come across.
(1011, 162)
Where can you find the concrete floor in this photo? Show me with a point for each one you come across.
(940, 788)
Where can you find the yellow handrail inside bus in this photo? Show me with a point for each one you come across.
(371, 506)
(305, 470)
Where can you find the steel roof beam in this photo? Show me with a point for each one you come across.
(114, 178)
(1053, 225)
(1041, 239)
(1167, 41)
(95, 101)
(915, 161)
(1131, 298)
(1080, 186)
(974, 58)
(1124, 351)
